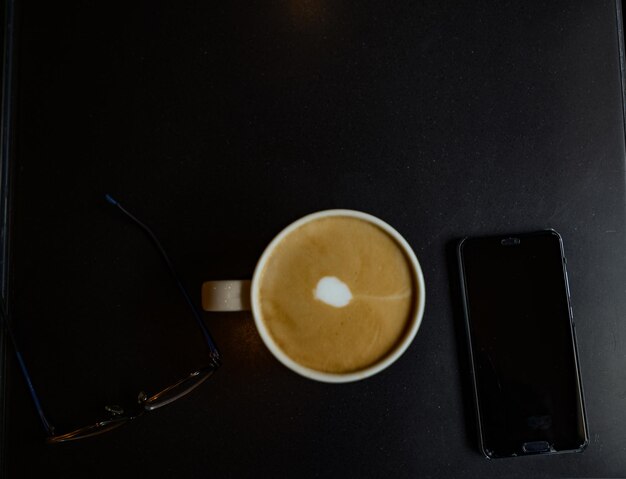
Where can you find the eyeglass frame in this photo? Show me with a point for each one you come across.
(117, 416)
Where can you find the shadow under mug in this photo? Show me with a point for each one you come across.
(243, 295)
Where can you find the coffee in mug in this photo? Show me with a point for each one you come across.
(336, 296)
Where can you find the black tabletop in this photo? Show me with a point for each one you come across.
(218, 123)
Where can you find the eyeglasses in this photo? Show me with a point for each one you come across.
(117, 415)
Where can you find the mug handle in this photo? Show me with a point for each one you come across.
(228, 295)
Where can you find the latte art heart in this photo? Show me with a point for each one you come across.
(333, 291)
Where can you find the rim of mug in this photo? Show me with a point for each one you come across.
(386, 361)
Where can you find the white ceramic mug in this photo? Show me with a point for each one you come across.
(243, 295)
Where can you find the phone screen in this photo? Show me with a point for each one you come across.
(522, 341)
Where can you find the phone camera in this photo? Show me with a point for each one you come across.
(510, 241)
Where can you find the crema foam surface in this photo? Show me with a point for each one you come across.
(337, 294)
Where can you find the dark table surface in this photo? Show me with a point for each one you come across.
(219, 123)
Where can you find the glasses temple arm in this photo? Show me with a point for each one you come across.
(215, 355)
(33, 394)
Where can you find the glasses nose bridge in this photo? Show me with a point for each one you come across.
(114, 410)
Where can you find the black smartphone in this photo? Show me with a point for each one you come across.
(522, 344)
